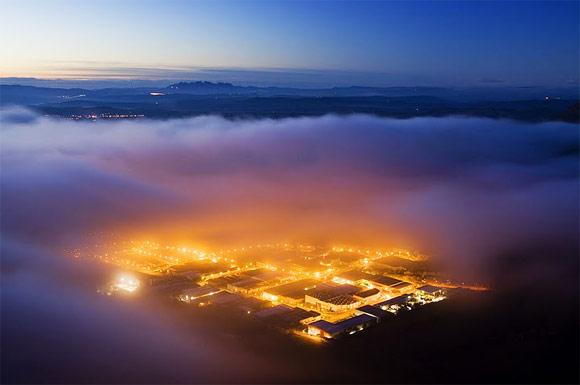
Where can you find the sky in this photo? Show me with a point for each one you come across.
(380, 42)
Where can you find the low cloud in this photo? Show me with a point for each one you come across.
(464, 190)
(492, 201)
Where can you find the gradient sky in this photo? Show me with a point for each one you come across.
(497, 42)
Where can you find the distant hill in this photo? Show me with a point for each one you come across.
(202, 87)
(201, 98)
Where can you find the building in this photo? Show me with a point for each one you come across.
(333, 289)
(248, 305)
(368, 295)
(192, 294)
(251, 281)
(263, 274)
(290, 293)
(430, 292)
(245, 286)
(396, 263)
(171, 284)
(299, 316)
(353, 277)
(384, 281)
(331, 297)
(352, 325)
(373, 311)
(402, 287)
(325, 301)
(393, 305)
(285, 317)
(361, 278)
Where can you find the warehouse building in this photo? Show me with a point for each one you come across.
(331, 297)
(352, 325)
(327, 301)
(402, 287)
(290, 293)
(396, 304)
(368, 295)
(430, 293)
(361, 278)
(245, 286)
(353, 277)
(373, 311)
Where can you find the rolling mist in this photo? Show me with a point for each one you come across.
(492, 201)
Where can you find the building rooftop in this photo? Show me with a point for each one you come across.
(429, 289)
(295, 290)
(292, 317)
(367, 293)
(400, 300)
(274, 310)
(339, 327)
(341, 300)
(224, 281)
(401, 285)
(247, 283)
(384, 280)
(223, 298)
(263, 274)
(328, 290)
(374, 311)
(342, 289)
(357, 275)
(321, 294)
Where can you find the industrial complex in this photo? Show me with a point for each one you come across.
(319, 293)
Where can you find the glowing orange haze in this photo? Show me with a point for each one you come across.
(440, 186)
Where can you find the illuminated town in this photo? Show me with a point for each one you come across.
(313, 292)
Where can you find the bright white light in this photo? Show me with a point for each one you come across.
(127, 283)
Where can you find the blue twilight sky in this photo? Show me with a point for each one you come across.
(379, 42)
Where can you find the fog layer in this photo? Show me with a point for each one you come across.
(469, 192)
(461, 189)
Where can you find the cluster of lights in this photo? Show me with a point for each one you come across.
(126, 283)
(157, 258)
